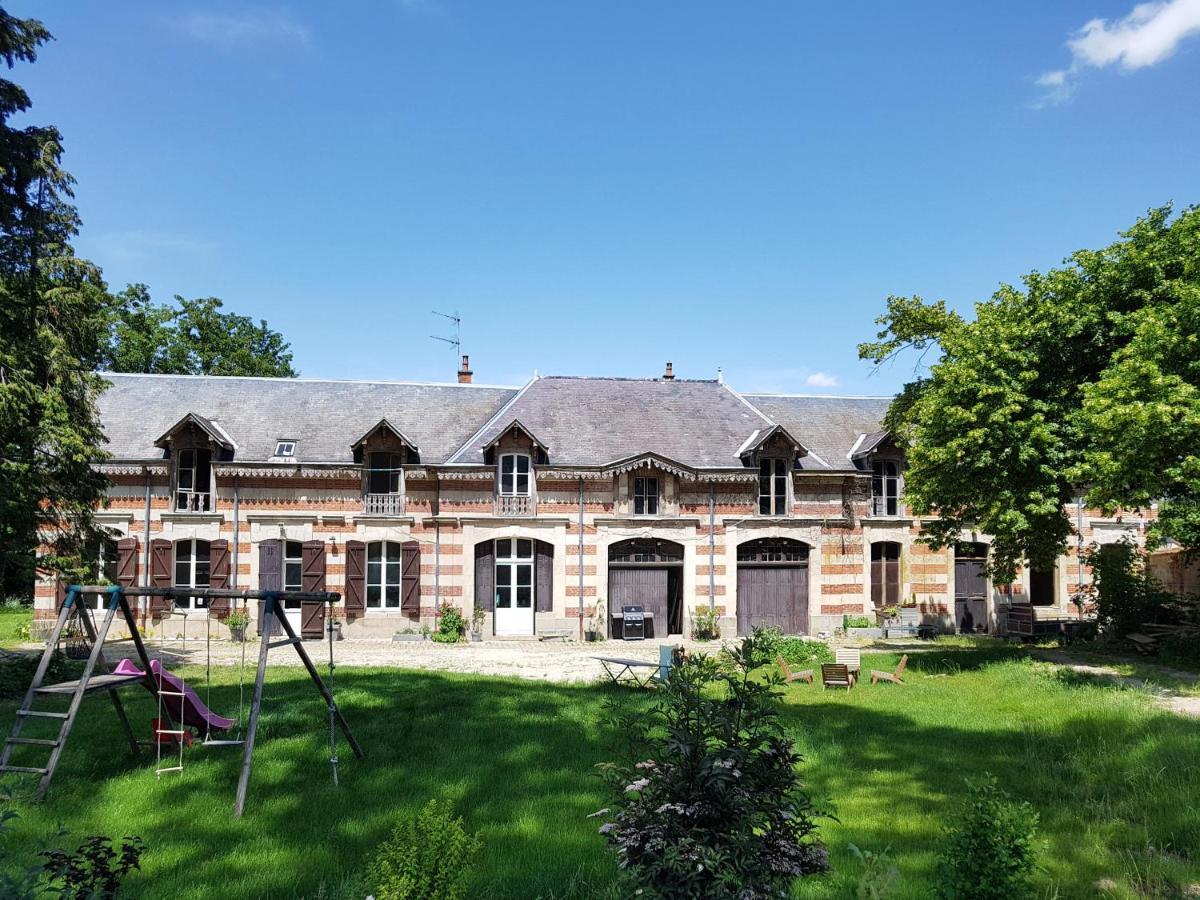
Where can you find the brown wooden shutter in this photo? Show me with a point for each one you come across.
(892, 579)
(876, 579)
(312, 566)
(544, 576)
(127, 562)
(270, 576)
(218, 576)
(485, 576)
(60, 592)
(160, 573)
(410, 577)
(356, 578)
(312, 619)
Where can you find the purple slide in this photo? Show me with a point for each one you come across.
(195, 713)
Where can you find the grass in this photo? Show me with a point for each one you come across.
(1116, 782)
(12, 620)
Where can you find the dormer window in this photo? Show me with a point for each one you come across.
(285, 448)
(773, 487)
(514, 475)
(193, 480)
(383, 473)
(885, 487)
(645, 496)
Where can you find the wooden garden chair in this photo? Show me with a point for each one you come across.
(896, 677)
(789, 676)
(836, 675)
(851, 658)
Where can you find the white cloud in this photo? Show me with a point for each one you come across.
(250, 27)
(1151, 33)
(821, 380)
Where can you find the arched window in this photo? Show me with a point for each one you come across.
(772, 550)
(384, 571)
(645, 550)
(191, 570)
(885, 487)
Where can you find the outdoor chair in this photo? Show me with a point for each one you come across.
(789, 676)
(836, 675)
(896, 677)
(851, 659)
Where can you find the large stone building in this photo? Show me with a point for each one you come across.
(534, 504)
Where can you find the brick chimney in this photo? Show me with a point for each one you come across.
(464, 371)
(669, 375)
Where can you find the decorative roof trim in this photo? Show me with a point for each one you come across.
(652, 461)
(216, 433)
(515, 425)
(282, 470)
(385, 424)
(481, 473)
(556, 474)
(753, 444)
(116, 468)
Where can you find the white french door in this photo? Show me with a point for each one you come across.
(514, 587)
(293, 568)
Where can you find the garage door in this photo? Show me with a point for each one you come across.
(772, 585)
(640, 587)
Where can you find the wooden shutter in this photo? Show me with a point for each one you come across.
(312, 619)
(312, 566)
(485, 576)
(892, 578)
(218, 576)
(127, 562)
(60, 592)
(160, 573)
(544, 576)
(877, 579)
(356, 578)
(270, 575)
(410, 577)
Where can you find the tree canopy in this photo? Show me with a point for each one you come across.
(53, 313)
(1085, 380)
(193, 337)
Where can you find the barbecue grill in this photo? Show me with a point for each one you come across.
(633, 620)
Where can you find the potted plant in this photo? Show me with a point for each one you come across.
(477, 618)
(595, 627)
(335, 625)
(237, 622)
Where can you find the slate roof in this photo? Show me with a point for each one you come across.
(595, 421)
(827, 426)
(325, 417)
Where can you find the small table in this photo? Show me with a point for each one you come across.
(617, 668)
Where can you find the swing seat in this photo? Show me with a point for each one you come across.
(222, 742)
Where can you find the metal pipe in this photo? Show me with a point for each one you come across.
(146, 533)
(581, 559)
(437, 550)
(233, 574)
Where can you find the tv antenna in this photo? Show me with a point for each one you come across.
(456, 341)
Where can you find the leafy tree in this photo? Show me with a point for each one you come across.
(53, 310)
(1087, 377)
(193, 337)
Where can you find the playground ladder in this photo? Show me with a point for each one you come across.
(76, 690)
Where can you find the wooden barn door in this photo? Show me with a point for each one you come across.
(646, 587)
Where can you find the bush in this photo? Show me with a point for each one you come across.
(1125, 593)
(857, 622)
(427, 857)
(94, 870)
(990, 852)
(879, 879)
(451, 625)
(708, 802)
(706, 624)
(16, 672)
(796, 650)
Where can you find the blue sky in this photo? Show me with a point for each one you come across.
(600, 187)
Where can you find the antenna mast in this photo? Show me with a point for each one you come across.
(455, 341)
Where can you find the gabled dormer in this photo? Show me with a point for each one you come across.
(647, 484)
(877, 452)
(193, 444)
(514, 453)
(383, 451)
(776, 454)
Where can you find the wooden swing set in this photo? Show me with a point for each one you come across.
(170, 729)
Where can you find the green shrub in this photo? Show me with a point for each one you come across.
(880, 878)
(94, 870)
(16, 672)
(1125, 593)
(707, 802)
(857, 622)
(427, 857)
(795, 650)
(989, 852)
(451, 625)
(705, 624)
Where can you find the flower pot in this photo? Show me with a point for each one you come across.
(238, 635)
(476, 637)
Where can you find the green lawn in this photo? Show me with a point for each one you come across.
(1117, 783)
(12, 620)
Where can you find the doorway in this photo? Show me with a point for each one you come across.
(646, 572)
(514, 610)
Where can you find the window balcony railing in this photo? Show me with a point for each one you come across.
(193, 501)
(518, 505)
(383, 504)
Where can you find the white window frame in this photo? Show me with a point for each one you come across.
(385, 567)
(646, 498)
(508, 555)
(193, 567)
(186, 460)
(394, 470)
(292, 577)
(515, 474)
(777, 475)
(285, 447)
(885, 487)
